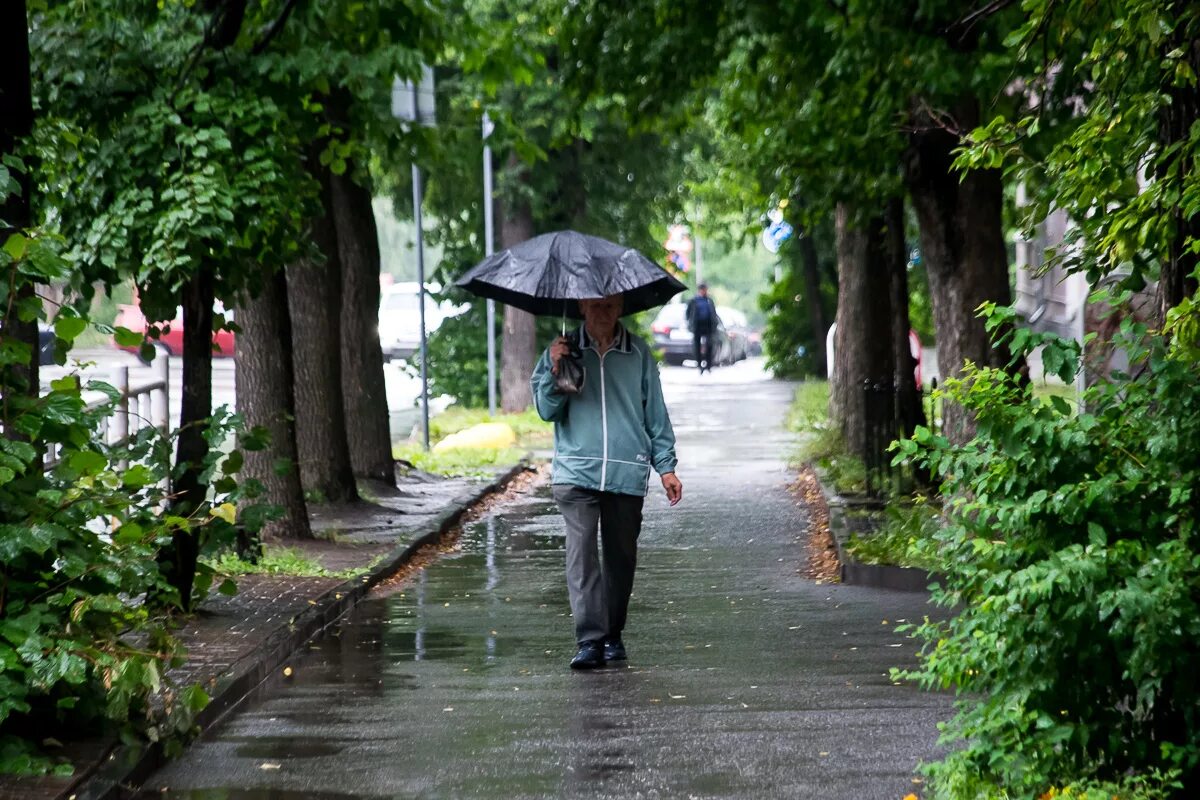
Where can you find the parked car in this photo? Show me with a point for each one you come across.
(171, 340)
(738, 329)
(673, 337)
(400, 318)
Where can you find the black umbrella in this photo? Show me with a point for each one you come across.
(549, 274)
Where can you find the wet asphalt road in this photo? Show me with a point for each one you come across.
(745, 679)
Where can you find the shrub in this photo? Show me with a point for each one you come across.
(1070, 556)
(80, 649)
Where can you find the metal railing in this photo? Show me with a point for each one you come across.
(139, 407)
(885, 423)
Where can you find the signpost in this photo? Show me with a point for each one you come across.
(416, 104)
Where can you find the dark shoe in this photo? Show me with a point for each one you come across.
(615, 651)
(590, 656)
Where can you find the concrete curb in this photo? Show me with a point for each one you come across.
(855, 573)
(129, 765)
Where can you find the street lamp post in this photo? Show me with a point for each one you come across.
(488, 249)
(415, 104)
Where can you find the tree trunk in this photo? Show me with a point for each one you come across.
(962, 243)
(863, 351)
(1176, 121)
(812, 297)
(179, 559)
(364, 393)
(265, 397)
(314, 302)
(909, 412)
(518, 343)
(16, 125)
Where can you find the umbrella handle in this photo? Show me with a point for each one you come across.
(564, 318)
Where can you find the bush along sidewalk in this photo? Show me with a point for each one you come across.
(1069, 542)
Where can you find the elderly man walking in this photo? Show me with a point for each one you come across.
(607, 438)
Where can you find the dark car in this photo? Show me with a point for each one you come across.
(673, 337)
(45, 345)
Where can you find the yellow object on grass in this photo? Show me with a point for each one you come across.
(486, 436)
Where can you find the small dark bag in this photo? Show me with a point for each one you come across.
(570, 377)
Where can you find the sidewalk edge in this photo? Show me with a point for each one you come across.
(855, 573)
(129, 765)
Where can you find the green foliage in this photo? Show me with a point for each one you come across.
(80, 650)
(458, 356)
(1111, 131)
(788, 339)
(468, 462)
(1069, 547)
(820, 442)
(906, 538)
(279, 561)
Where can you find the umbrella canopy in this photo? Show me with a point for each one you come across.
(549, 274)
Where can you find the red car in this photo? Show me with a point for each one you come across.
(171, 341)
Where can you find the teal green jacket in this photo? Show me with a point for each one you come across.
(610, 435)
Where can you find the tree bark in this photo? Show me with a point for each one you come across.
(314, 302)
(16, 213)
(178, 561)
(1176, 120)
(363, 390)
(962, 242)
(518, 343)
(909, 412)
(863, 350)
(265, 397)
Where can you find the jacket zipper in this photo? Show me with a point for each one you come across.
(603, 426)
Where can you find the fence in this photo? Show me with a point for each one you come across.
(885, 420)
(139, 407)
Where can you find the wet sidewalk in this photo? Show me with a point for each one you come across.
(234, 642)
(745, 679)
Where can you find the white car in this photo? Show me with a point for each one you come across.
(400, 318)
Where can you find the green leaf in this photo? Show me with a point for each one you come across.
(228, 587)
(86, 462)
(233, 463)
(15, 246)
(69, 328)
(1097, 535)
(127, 338)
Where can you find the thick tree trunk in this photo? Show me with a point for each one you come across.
(1177, 119)
(962, 242)
(518, 344)
(863, 351)
(812, 298)
(16, 124)
(265, 397)
(909, 412)
(197, 297)
(314, 302)
(363, 391)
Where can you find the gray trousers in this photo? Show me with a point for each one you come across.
(599, 584)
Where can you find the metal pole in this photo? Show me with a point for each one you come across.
(119, 432)
(416, 182)
(488, 249)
